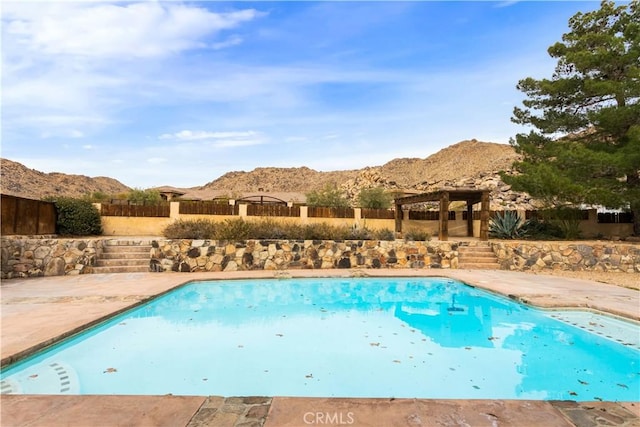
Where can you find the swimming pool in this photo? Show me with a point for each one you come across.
(359, 337)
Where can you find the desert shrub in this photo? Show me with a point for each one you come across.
(190, 229)
(97, 197)
(417, 235)
(355, 233)
(234, 229)
(318, 231)
(77, 217)
(270, 229)
(384, 234)
(507, 225)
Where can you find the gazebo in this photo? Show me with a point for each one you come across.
(469, 195)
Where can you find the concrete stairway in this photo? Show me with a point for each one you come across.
(479, 256)
(123, 256)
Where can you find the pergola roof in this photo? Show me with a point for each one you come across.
(444, 196)
(470, 195)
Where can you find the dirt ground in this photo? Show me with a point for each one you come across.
(626, 280)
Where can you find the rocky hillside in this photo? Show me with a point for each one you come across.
(270, 179)
(465, 164)
(18, 180)
(471, 163)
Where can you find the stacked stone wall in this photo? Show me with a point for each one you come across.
(49, 256)
(591, 256)
(34, 257)
(212, 255)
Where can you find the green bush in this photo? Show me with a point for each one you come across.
(375, 198)
(537, 229)
(77, 217)
(328, 196)
(144, 197)
(190, 229)
(567, 219)
(507, 225)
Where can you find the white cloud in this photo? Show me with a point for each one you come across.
(231, 41)
(156, 160)
(64, 133)
(138, 30)
(217, 139)
(190, 135)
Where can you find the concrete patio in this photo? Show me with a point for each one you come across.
(37, 312)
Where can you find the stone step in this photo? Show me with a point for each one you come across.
(130, 242)
(478, 259)
(126, 249)
(483, 249)
(122, 262)
(479, 266)
(125, 255)
(118, 269)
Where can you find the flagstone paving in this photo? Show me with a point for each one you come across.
(38, 311)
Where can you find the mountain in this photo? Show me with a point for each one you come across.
(18, 180)
(465, 164)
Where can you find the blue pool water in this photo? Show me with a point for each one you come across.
(426, 338)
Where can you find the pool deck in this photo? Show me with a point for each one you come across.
(39, 311)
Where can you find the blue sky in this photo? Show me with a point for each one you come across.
(179, 93)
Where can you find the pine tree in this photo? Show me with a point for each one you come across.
(585, 146)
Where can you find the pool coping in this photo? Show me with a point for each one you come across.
(549, 292)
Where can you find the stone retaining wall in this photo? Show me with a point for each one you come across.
(47, 256)
(588, 256)
(212, 255)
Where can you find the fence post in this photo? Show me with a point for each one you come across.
(242, 210)
(304, 215)
(357, 215)
(174, 210)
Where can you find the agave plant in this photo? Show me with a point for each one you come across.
(507, 225)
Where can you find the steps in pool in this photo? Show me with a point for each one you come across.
(477, 257)
(123, 256)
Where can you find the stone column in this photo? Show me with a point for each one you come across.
(484, 216)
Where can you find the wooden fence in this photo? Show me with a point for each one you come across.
(273, 210)
(206, 207)
(155, 210)
(22, 216)
(325, 212)
(378, 213)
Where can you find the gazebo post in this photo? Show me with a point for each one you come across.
(469, 218)
(484, 216)
(444, 216)
(398, 218)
